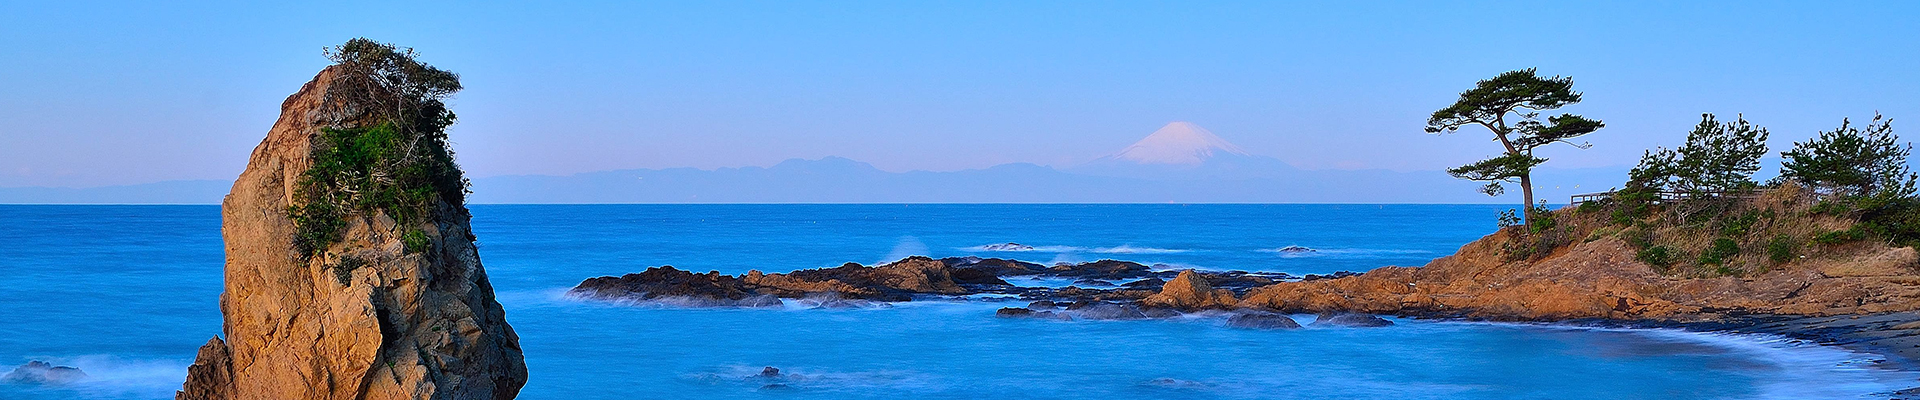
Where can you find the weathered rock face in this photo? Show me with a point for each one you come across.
(363, 319)
(1190, 292)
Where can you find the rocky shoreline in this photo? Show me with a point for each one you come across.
(1124, 290)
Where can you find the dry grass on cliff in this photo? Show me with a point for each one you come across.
(1780, 226)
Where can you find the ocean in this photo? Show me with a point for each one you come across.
(128, 293)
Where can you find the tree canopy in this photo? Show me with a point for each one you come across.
(1717, 157)
(1852, 161)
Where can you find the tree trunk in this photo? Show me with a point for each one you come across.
(1526, 190)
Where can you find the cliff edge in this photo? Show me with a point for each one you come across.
(385, 307)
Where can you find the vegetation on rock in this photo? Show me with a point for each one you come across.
(1696, 211)
(384, 151)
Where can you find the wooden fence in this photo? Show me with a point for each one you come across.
(1667, 196)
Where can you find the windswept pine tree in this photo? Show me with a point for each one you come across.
(1519, 95)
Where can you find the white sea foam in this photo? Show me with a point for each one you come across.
(112, 376)
(907, 246)
(1130, 249)
(1031, 249)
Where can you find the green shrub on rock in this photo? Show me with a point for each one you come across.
(1780, 250)
(1721, 250)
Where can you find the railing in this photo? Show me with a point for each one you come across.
(1668, 196)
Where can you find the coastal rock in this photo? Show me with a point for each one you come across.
(669, 283)
(1348, 319)
(994, 266)
(827, 287)
(1190, 292)
(42, 373)
(1296, 250)
(1262, 321)
(211, 374)
(364, 318)
(1109, 270)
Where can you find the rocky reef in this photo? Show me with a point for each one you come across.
(1145, 293)
(385, 307)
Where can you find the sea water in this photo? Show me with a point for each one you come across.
(128, 293)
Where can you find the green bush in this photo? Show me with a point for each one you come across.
(1719, 252)
(1658, 256)
(1781, 249)
(1838, 237)
(417, 241)
(387, 151)
(1740, 225)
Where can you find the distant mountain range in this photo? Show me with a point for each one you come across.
(1180, 163)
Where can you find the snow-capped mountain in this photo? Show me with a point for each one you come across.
(1180, 143)
(1182, 150)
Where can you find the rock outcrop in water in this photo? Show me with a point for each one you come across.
(43, 373)
(1189, 291)
(371, 315)
(896, 281)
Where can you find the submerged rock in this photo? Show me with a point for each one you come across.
(1262, 321)
(1107, 311)
(40, 372)
(1296, 249)
(1016, 312)
(1358, 320)
(1149, 283)
(769, 372)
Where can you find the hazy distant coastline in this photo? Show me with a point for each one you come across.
(839, 180)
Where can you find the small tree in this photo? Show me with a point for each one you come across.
(1717, 157)
(383, 146)
(1852, 162)
(1522, 94)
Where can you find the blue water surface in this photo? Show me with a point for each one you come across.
(128, 293)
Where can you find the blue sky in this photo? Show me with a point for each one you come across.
(101, 93)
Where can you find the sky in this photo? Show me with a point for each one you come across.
(112, 93)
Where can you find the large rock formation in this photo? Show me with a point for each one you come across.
(368, 317)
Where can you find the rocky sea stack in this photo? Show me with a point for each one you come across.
(351, 270)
